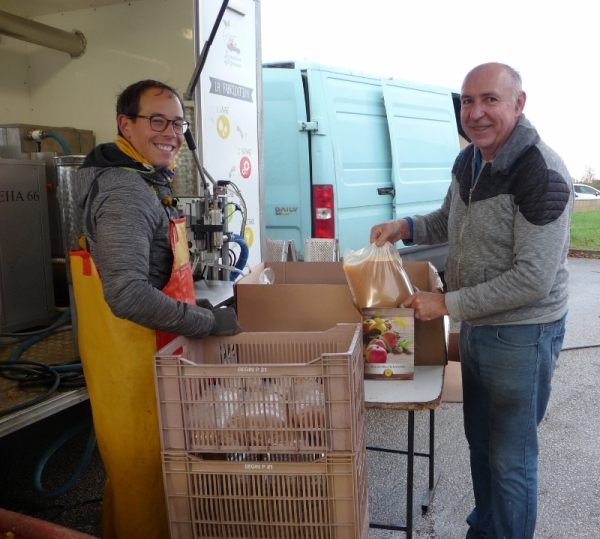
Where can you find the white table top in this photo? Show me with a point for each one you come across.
(422, 393)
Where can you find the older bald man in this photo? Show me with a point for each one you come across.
(506, 219)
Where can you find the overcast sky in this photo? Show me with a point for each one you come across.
(554, 45)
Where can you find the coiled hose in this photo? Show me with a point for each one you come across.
(30, 373)
(81, 467)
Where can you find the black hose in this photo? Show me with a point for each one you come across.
(8, 341)
(579, 347)
(61, 320)
(61, 509)
(20, 372)
(38, 336)
(33, 373)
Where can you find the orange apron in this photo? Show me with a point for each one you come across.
(117, 357)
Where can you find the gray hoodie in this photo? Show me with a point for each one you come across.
(508, 234)
(127, 227)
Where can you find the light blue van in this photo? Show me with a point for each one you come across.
(344, 150)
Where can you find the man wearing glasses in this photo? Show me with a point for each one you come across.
(134, 293)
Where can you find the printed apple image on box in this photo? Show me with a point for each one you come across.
(388, 343)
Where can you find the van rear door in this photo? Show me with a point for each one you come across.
(351, 151)
(285, 157)
(424, 140)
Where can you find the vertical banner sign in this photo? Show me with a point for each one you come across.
(229, 111)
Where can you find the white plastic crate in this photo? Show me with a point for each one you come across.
(273, 496)
(263, 392)
(281, 251)
(321, 250)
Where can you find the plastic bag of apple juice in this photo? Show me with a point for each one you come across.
(376, 276)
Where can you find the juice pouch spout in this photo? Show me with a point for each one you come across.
(376, 276)
(267, 276)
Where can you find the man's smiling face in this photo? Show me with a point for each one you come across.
(490, 108)
(159, 149)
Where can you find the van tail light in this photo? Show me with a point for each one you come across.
(323, 217)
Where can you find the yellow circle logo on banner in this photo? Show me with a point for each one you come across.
(249, 236)
(223, 126)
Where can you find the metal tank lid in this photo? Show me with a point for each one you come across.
(69, 159)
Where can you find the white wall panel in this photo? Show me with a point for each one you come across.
(125, 43)
(15, 106)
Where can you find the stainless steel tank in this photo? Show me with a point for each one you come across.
(71, 214)
(26, 291)
(71, 221)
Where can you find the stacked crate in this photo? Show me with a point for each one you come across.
(263, 435)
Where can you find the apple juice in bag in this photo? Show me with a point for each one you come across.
(376, 277)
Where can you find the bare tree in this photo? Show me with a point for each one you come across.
(589, 176)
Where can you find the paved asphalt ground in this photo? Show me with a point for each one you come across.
(569, 501)
(569, 490)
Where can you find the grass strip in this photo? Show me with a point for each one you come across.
(585, 230)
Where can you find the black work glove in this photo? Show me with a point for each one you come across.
(205, 304)
(226, 322)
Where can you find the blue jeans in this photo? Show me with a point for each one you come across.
(506, 375)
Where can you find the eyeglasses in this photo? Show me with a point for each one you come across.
(160, 124)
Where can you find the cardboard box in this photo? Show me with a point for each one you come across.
(453, 350)
(315, 296)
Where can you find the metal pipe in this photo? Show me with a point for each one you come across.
(42, 34)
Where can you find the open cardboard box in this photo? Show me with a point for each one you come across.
(453, 350)
(315, 296)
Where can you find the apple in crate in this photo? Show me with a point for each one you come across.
(375, 353)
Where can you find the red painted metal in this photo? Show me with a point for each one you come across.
(24, 527)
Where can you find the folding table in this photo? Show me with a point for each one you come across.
(422, 393)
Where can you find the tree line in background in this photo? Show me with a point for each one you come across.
(589, 177)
